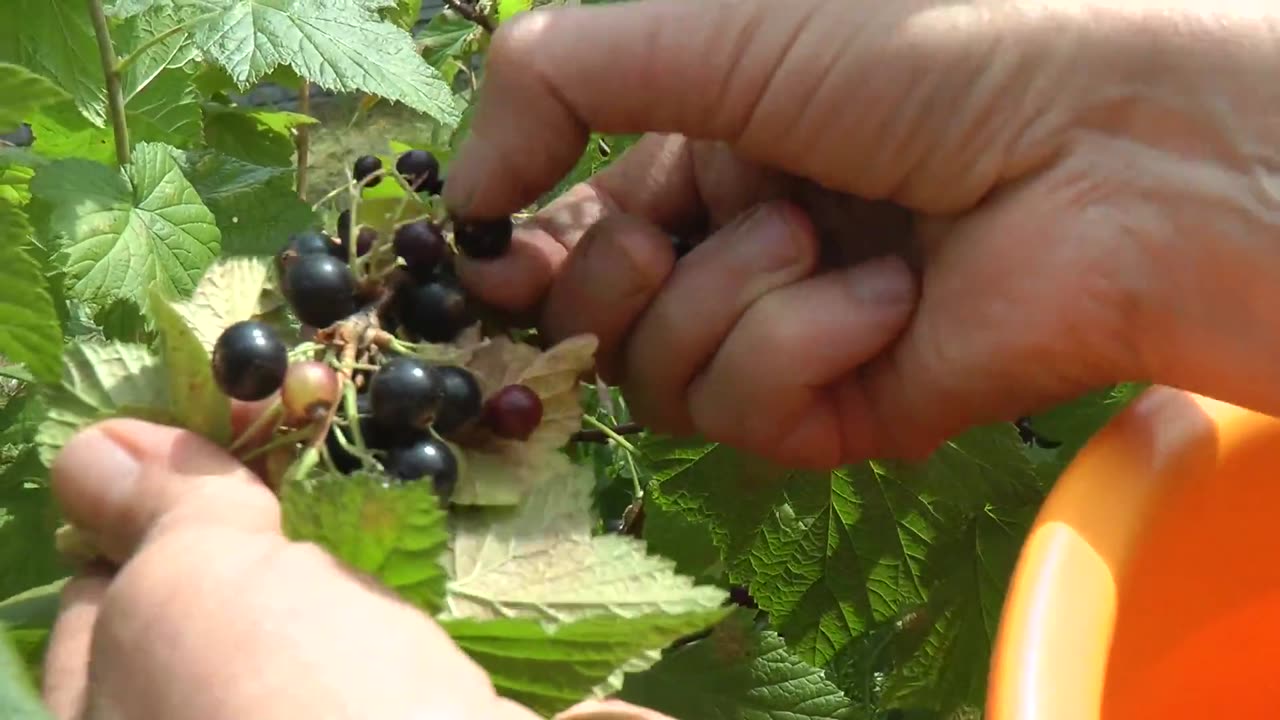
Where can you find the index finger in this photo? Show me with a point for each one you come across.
(652, 66)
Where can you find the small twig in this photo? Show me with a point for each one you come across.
(471, 13)
(269, 417)
(599, 436)
(115, 90)
(611, 434)
(304, 139)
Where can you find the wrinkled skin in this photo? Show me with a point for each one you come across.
(1069, 194)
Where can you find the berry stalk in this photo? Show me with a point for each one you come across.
(115, 90)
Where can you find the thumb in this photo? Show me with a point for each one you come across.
(815, 88)
(121, 480)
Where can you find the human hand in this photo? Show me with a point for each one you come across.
(1088, 192)
(214, 614)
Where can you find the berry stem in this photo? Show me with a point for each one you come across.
(471, 13)
(303, 139)
(111, 72)
(611, 434)
(596, 436)
(269, 417)
(287, 439)
(351, 407)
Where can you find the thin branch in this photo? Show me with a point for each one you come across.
(304, 138)
(115, 92)
(599, 436)
(471, 13)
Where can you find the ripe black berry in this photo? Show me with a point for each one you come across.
(513, 412)
(344, 461)
(436, 188)
(309, 390)
(419, 168)
(367, 165)
(681, 245)
(406, 392)
(344, 226)
(615, 526)
(426, 459)
(435, 311)
(483, 239)
(320, 289)
(311, 242)
(365, 240)
(421, 245)
(249, 361)
(462, 400)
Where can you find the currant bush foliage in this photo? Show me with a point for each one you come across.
(875, 588)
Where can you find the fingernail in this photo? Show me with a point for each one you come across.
(883, 281)
(96, 469)
(772, 235)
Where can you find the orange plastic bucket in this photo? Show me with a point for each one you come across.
(1149, 586)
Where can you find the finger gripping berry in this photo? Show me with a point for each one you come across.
(483, 239)
(462, 400)
(320, 289)
(405, 393)
(365, 168)
(249, 361)
(419, 168)
(513, 412)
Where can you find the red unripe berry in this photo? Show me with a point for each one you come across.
(310, 389)
(513, 412)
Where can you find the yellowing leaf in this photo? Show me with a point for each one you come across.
(232, 290)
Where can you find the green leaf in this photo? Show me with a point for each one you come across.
(17, 167)
(549, 669)
(29, 330)
(829, 555)
(101, 381)
(541, 561)
(18, 699)
(24, 92)
(174, 52)
(672, 535)
(395, 533)
(232, 290)
(738, 673)
(445, 42)
(934, 657)
(257, 207)
(120, 231)
(197, 401)
(31, 645)
(27, 553)
(123, 320)
(340, 46)
(35, 607)
(165, 110)
(508, 9)
(62, 132)
(259, 137)
(1073, 423)
(56, 39)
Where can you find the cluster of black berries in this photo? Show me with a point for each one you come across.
(407, 407)
(480, 239)
(405, 410)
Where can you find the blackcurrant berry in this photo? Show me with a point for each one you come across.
(462, 400)
(435, 311)
(249, 361)
(364, 404)
(406, 392)
(427, 459)
(311, 242)
(741, 597)
(365, 240)
(483, 239)
(309, 390)
(367, 165)
(513, 412)
(436, 188)
(320, 289)
(419, 168)
(614, 527)
(421, 245)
